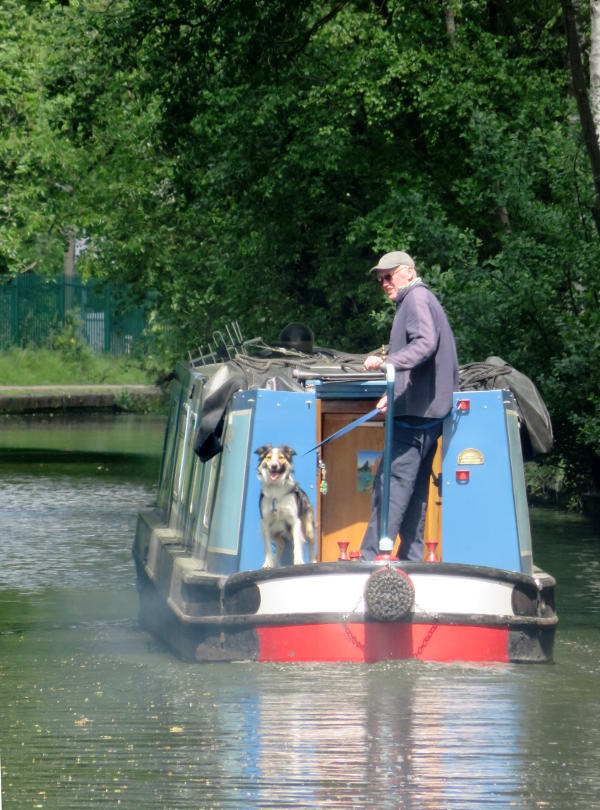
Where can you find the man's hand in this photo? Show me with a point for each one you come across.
(382, 404)
(372, 362)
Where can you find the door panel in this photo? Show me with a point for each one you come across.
(346, 508)
(350, 462)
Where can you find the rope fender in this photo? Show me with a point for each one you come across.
(389, 595)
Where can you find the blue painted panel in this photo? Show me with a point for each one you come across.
(479, 524)
(280, 417)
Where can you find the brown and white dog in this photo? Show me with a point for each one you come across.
(285, 511)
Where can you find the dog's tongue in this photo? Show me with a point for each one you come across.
(274, 476)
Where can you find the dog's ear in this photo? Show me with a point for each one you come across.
(262, 451)
(288, 451)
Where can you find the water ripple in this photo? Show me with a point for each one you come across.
(62, 532)
(94, 711)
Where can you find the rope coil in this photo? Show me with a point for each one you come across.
(389, 595)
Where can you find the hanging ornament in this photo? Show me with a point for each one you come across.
(323, 471)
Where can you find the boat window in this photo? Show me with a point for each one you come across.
(187, 468)
(202, 503)
(183, 467)
(226, 520)
(207, 506)
(190, 511)
(192, 479)
(182, 432)
(195, 487)
(167, 467)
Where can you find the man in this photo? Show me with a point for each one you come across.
(423, 353)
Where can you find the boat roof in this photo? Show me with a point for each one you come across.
(254, 364)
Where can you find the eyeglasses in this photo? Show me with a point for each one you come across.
(389, 276)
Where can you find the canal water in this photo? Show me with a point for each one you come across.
(94, 712)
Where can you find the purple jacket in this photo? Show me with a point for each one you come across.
(423, 352)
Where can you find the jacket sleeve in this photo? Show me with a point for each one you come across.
(422, 334)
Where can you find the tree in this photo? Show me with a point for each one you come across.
(249, 161)
(321, 132)
(36, 163)
(583, 102)
(595, 63)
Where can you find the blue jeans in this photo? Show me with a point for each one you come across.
(413, 450)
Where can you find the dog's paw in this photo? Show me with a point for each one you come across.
(268, 564)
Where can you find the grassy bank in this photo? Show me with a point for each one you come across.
(77, 367)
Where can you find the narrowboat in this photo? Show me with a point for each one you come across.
(476, 596)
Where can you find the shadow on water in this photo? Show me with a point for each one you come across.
(80, 463)
(95, 712)
(122, 447)
(568, 545)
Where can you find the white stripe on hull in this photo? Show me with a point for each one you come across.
(344, 593)
(326, 593)
(456, 594)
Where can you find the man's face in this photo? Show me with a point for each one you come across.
(394, 280)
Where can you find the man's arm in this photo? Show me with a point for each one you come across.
(423, 336)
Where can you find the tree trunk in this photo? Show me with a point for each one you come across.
(450, 19)
(595, 64)
(583, 103)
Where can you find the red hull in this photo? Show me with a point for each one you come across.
(380, 641)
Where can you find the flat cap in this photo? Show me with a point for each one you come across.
(390, 260)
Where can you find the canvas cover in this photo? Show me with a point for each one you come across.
(536, 427)
(274, 369)
(281, 370)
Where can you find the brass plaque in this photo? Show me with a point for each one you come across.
(470, 456)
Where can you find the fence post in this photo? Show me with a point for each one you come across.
(69, 274)
(107, 318)
(60, 302)
(14, 311)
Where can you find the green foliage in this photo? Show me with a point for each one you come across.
(249, 160)
(545, 483)
(33, 165)
(68, 340)
(25, 367)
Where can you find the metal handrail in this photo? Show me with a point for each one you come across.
(386, 543)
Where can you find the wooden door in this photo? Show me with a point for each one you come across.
(433, 519)
(350, 464)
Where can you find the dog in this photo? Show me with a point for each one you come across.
(286, 513)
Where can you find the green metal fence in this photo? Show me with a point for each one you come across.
(33, 309)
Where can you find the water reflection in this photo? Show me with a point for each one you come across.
(391, 735)
(81, 432)
(97, 711)
(93, 710)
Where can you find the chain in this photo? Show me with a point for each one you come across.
(426, 640)
(360, 646)
(357, 643)
(434, 626)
